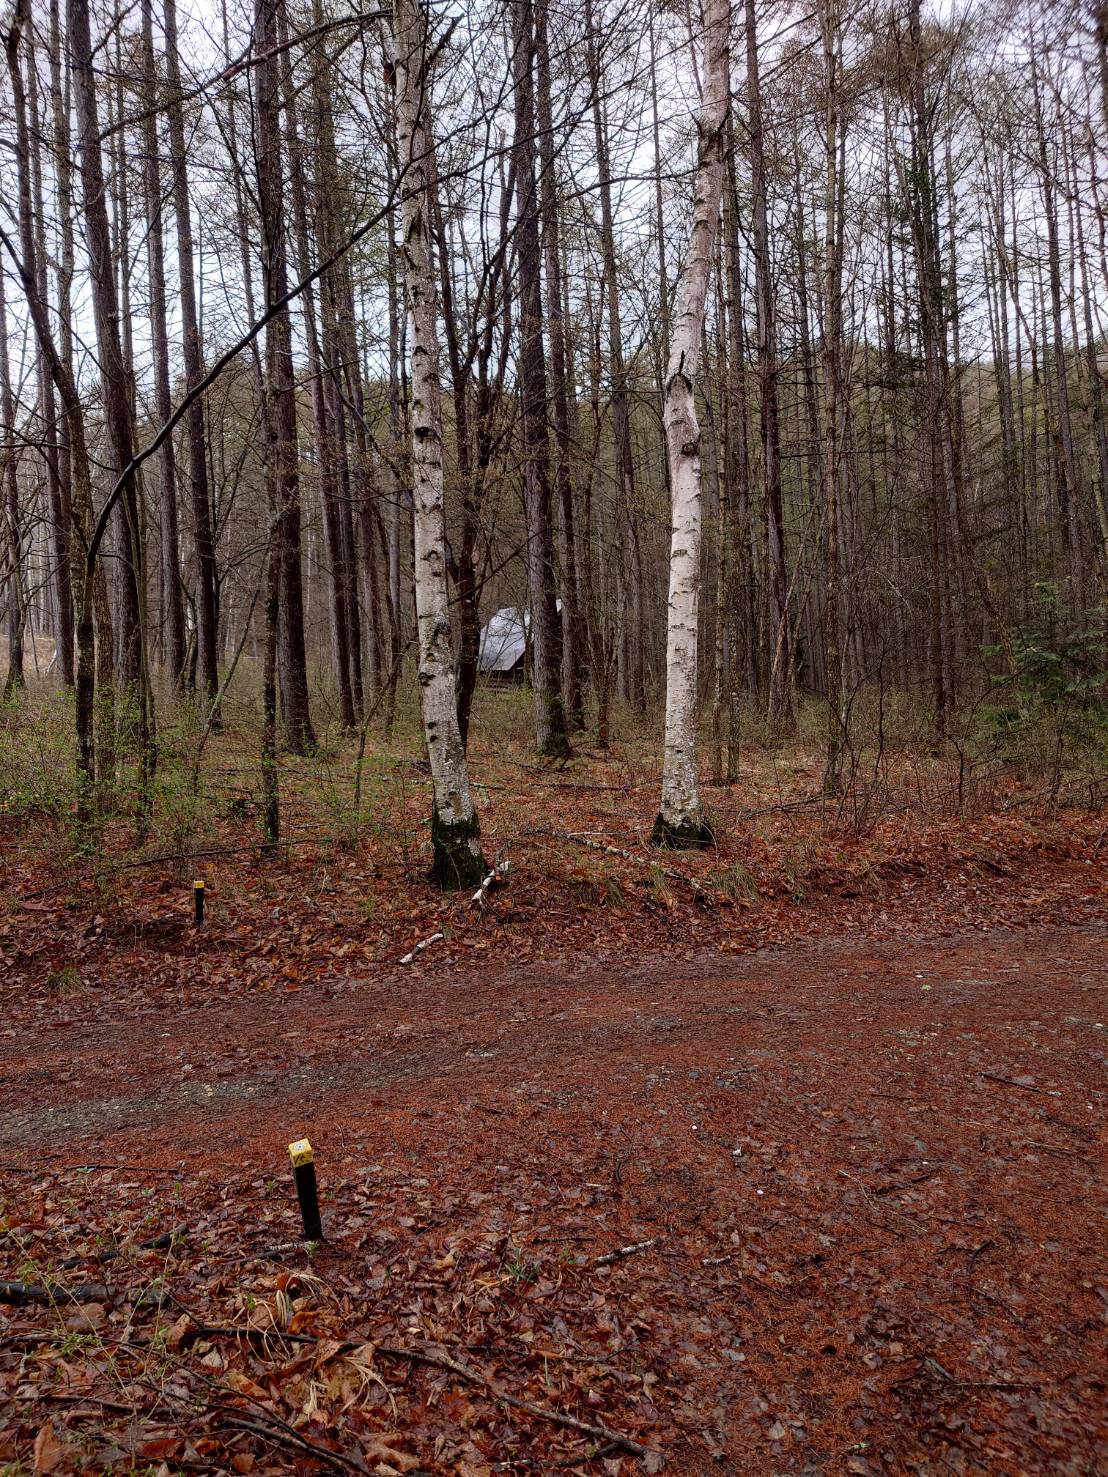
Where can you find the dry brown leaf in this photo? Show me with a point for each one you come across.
(242, 1384)
(48, 1450)
(180, 1330)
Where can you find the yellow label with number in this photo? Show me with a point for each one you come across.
(300, 1153)
(198, 885)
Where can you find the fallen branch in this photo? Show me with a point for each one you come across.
(494, 878)
(288, 1438)
(423, 944)
(1023, 1086)
(153, 1243)
(621, 1251)
(88, 1292)
(167, 856)
(596, 1431)
(540, 1412)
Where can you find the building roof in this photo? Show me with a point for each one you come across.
(503, 640)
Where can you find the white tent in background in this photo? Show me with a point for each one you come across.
(503, 643)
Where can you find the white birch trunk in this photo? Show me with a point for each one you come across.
(681, 821)
(455, 830)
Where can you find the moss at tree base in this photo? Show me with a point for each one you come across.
(690, 835)
(458, 859)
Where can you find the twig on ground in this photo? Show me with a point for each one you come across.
(452, 1366)
(1023, 1086)
(288, 1438)
(167, 856)
(541, 1412)
(423, 944)
(494, 878)
(152, 1243)
(86, 1168)
(621, 1251)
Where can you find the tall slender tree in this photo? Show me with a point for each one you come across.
(455, 828)
(9, 480)
(207, 619)
(283, 454)
(681, 821)
(550, 719)
(172, 599)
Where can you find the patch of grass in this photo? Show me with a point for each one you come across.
(65, 980)
(736, 882)
(657, 888)
(521, 1272)
(612, 889)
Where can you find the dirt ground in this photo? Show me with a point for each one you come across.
(871, 1177)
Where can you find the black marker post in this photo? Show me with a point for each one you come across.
(198, 901)
(307, 1191)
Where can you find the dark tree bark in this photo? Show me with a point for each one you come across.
(207, 666)
(327, 432)
(17, 604)
(116, 385)
(58, 473)
(781, 709)
(24, 260)
(572, 666)
(173, 605)
(738, 445)
(282, 448)
(630, 569)
(1067, 474)
(114, 379)
(550, 718)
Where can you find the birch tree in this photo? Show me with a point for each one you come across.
(455, 829)
(681, 821)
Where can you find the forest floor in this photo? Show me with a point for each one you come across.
(842, 1090)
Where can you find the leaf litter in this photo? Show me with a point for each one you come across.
(792, 1170)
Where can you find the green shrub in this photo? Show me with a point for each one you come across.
(1052, 707)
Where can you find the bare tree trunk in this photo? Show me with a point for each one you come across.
(550, 718)
(462, 558)
(738, 449)
(16, 599)
(115, 383)
(271, 794)
(681, 821)
(630, 563)
(280, 388)
(24, 259)
(59, 475)
(834, 141)
(173, 601)
(455, 829)
(397, 504)
(323, 421)
(572, 684)
(1068, 479)
(199, 498)
(114, 380)
(781, 710)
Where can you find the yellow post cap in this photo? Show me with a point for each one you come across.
(300, 1153)
(199, 883)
